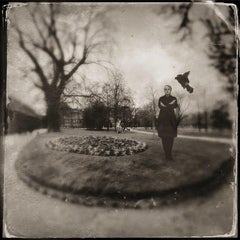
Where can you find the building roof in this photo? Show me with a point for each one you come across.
(17, 106)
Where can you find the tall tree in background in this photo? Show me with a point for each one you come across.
(153, 103)
(222, 51)
(121, 96)
(183, 106)
(107, 98)
(221, 32)
(94, 116)
(143, 116)
(220, 117)
(115, 95)
(102, 94)
(58, 47)
(202, 104)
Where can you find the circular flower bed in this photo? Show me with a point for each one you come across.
(97, 145)
(139, 180)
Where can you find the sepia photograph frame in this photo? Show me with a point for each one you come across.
(119, 119)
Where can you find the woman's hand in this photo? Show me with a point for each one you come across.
(177, 112)
(172, 102)
(162, 104)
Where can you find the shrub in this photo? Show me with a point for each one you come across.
(220, 118)
(95, 116)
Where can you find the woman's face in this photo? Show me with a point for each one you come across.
(167, 90)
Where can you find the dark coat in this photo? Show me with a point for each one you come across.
(167, 122)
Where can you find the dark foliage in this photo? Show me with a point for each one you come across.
(221, 33)
(24, 123)
(220, 118)
(223, 49)
(22, 118)
(95, 116)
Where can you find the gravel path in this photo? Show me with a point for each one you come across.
(30, 214)
(208, 139)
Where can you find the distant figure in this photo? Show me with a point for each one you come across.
(10, 113)
(167, 122)
(123, 125)
(119, 128)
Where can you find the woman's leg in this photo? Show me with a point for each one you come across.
(164, 144)
(167, 143)
(169, 146)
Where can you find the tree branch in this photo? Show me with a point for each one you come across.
(33, 15)
(38, 68)
(82, 60)
(54, 32)
(95, 34)
(38, 86)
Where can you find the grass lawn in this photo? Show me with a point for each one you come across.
(137, 176)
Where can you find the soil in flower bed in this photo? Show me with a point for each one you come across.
(97, 145)
(136, 176)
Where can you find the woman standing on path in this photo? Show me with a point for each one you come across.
(167, 121)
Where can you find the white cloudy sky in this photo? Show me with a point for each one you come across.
(147, 53)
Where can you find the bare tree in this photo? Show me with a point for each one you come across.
(69, 96)
(223, 50)
(120, 95)
(65, 49)
(202, 109)
(107, 99)
(114, 94)
(76, 93)
(182, 108)
(144, 116)
(101, 94)
(153, 103)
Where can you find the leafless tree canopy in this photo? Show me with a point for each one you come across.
(152, 107)
(113, 93)
(57, 49)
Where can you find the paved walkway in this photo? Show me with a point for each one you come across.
(28, 213)
(208, 139)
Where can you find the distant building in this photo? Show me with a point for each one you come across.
(21, 118)
(71, 118)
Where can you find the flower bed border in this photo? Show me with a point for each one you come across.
(174, 195)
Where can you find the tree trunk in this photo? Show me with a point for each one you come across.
(116, 115)
(53, 116)
(153, 122)
(108, 121)
(115, 120)
(206, 120)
